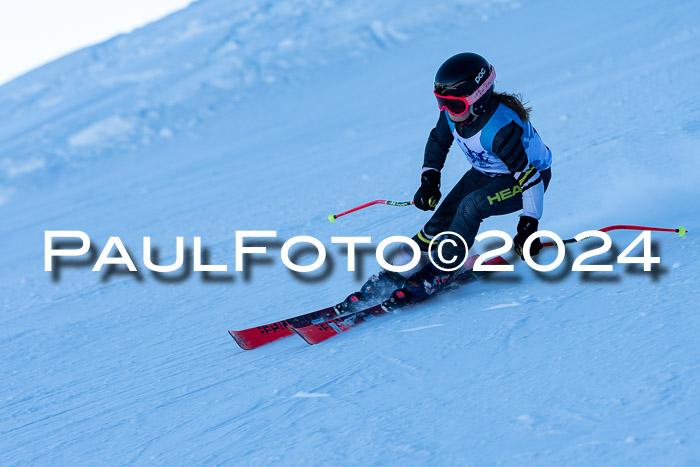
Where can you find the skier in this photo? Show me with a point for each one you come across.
(510, 172)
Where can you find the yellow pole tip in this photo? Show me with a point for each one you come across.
(331, 217)
(682, 231)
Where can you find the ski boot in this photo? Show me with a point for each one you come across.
(418, 287)
(377, 286)
(398, 299)
(354, 302)
(427, 282)
(381, 284)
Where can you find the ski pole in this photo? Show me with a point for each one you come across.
(681, 231)
(333, 217)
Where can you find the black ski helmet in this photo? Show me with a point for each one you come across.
(461, 75)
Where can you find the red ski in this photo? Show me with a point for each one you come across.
(260, 335)
(252, 338)
(319, 332)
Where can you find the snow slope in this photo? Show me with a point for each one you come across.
(271, 115)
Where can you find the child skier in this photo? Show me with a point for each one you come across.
(510, 172)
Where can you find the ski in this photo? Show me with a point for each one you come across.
(319, 332)
(258, 336)
(252, 338)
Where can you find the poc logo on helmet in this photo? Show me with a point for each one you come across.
(481, 75)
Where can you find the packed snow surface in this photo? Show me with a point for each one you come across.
(231, 116)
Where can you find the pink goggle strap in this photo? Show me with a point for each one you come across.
(485, 86)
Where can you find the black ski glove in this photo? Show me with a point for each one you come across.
(428, 195)
(526, 227)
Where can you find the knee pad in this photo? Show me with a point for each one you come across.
(470, 208)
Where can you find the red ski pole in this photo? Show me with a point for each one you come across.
(333, 217)
(681, 231)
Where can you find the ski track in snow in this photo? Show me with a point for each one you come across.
(310, 395)
(420, 328)
(504, 305)
(253, 116)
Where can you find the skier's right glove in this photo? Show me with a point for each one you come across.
(428, 195)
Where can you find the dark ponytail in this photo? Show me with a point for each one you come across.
(514, 102)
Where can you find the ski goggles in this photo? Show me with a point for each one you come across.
(460, 105)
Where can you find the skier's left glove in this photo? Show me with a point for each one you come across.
(526, 227)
